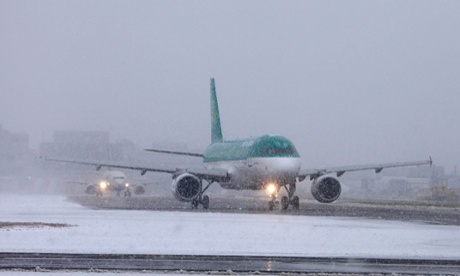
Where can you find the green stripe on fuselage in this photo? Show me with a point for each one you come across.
(263, 146)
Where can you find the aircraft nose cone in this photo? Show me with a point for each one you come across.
(287, 165)
(283, 167)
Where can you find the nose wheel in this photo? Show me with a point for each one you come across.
(272, 203)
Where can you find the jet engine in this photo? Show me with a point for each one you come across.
(326, 188)
(90, 189)
(186, 187)
(139, 190)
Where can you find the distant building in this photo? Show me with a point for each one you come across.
(416, 171)
(15, 154)
(454, 183)
(81, 145)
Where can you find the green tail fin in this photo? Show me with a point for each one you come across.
(216, 131)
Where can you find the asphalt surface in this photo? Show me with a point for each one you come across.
(225, 264)
(443, 215)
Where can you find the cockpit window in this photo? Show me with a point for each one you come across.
(276, 151)
(275, 146)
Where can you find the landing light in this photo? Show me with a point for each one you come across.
(103, 185)
(127, 185)
(271, 188)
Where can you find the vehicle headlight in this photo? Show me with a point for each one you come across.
(103, 185)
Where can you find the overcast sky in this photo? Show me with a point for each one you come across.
(349, 82)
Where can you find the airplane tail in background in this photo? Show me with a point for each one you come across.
(216, 131)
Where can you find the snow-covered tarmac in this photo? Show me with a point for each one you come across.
(156, 232)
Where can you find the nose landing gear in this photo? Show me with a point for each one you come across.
(290, 199)
(272, 202)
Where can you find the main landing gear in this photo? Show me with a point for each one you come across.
(290, 199)
(202, 199)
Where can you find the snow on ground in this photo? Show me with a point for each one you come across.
(156, 232)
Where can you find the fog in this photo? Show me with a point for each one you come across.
(348, 82)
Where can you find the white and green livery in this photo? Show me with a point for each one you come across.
(269, 162)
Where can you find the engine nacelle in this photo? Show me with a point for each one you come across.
(186, 187)
(326, 188)
(90, 189)
(139, 190)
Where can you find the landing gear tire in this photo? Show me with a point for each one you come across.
(195, 203)
(295, 202)
(127, 193)
(271, 205)
(200, 200)
(205, 202)
(284, 203)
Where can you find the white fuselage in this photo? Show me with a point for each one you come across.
(114, 181)
(256, 173)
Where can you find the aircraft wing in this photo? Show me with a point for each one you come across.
(176, 152)
(204, 173)
(314, 173)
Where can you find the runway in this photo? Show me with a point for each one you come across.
(449, 215)
(224, 264)
(235, 234)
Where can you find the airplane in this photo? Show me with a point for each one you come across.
(113, 181)
(268, 162)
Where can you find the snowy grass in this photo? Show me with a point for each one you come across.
(159, 232)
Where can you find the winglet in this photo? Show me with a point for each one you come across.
(430, 161)
(216, 131)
